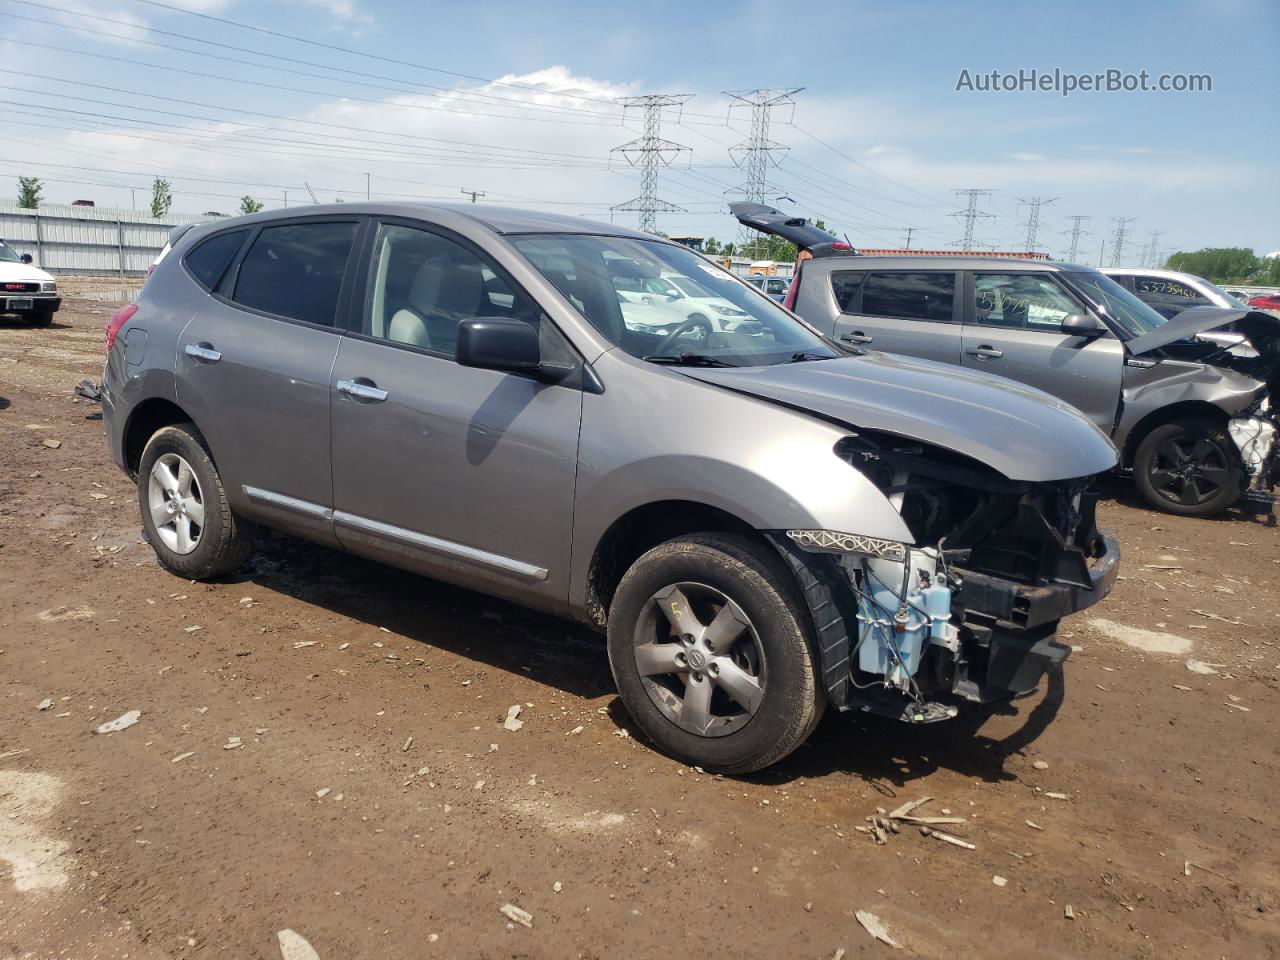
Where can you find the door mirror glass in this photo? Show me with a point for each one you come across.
(497, 343)
(26, 258)
(1081, 325)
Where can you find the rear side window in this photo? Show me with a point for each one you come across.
(209, 260)
(296, 270)
(910, 296)
(846, 285)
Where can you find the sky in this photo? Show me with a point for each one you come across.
(521, 102)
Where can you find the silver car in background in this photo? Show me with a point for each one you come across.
(763, 523)
(1192, 417)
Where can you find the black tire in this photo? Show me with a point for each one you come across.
(700, 323)
(753, 577)
(1190, 468)
(224, 540)
(41, 318)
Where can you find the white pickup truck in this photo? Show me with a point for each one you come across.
(25, 290)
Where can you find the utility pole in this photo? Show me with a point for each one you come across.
(1102, 254)
(133, 200)
(909, 231)
(368, 187)
(1076, 234)
(1033, 205)
(649, 151)
(970, 215)
(286, 198)
(1149, 254)
(755, 153)
(472, 194)
(1117, 245)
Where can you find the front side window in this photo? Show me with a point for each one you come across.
(910, 296)
(210, 259)
(1130, 315)
(594, 272)
(1167, 297)
(424, 285)
(8, 254)
(295, 271)
(1020, 300)
(846, 285)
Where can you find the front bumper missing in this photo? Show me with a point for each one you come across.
(1007, 633)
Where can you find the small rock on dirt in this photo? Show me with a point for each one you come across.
(516, 915)
(294, 946)
(1204, 669)
(876, 927)
(46, 704)
(51, 444)
(122, 722)
(1041, 765)
(513, 721)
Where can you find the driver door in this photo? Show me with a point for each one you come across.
(1013, 327)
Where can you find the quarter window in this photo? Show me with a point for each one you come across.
(846, 285)
(295, 271)
(910, 296)
(424, 285)
(1020, 300)
(209, 260)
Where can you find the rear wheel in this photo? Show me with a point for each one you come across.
(185, 513)
(709, 646)
(1191, 468)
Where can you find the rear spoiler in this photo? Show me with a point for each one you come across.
(807, 237)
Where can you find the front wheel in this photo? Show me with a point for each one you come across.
(41, 318)
(1191, 468)
(185, 513)
(709, 646)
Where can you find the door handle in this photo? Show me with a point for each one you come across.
(202, 351)
(361, 391)
(986, 353)
(857, 337)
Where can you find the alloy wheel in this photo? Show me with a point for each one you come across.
(1189, 470)
(700, 659)
(176, 503)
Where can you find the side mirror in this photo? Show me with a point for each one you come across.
(26, 258)
(1081, 325)
(498, 343)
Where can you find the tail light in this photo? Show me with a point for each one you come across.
(118, 320)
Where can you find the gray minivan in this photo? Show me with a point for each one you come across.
(762, 520)
(1191, 416)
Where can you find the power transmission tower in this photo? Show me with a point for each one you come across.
(755, 153)
(648, 152)
(1033, 205)
(472, 194)
(909, 231)
(1117, 244)
(1149, 252)
(970, 216)
(1076, 234)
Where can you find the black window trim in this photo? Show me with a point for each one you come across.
(956, 283)
(362, 294)
(231, 276)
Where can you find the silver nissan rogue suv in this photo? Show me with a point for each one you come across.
(763, 521)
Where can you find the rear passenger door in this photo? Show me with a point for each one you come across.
(253, 365)
(1013, 327)
(912, 312)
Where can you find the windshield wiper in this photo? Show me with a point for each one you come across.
(804, 355)
(689, 360)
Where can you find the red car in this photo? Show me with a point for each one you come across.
(1268, 301)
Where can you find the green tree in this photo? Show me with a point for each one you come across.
(711, 247)
(249, 205)
(29, 192)
(1219, 264)
(161, 198)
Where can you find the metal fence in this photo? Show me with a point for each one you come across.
(87, 240)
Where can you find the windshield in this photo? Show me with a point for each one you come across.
(7, 254)
(605, 279)
(691, 289)
(1127, 312)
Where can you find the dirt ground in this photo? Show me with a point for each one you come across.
(374, 803)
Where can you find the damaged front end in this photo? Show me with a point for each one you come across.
(970, 610)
